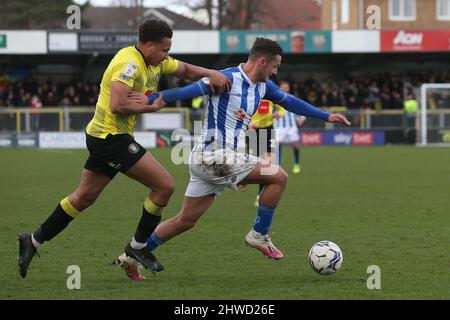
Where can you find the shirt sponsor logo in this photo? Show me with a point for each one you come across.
(130, 69)
(264, 107)
(128, 72)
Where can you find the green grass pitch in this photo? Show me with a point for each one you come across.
(384, 206)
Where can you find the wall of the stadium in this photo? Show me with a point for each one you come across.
(240, 42)
(62, 41)
(162, 121)
(294, 41)
(195, 42)
(77, 140)
(23, 42)
(22, 140)
(355, 41)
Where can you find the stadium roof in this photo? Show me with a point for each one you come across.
(125, 18)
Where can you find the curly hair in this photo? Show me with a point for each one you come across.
(154, 30)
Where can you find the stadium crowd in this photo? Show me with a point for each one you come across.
(369, 91)
(354, 91)
(29, 93)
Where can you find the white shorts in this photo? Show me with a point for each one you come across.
(287, 135)
(212, 171)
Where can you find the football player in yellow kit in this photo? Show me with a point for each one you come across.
(112, 148)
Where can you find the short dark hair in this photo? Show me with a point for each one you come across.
(154, 30)
(267, 47)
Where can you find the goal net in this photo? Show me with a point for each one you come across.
(434, 116)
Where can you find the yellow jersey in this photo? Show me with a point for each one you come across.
(128, 66)
(263, 118)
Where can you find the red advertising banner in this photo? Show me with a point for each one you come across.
(415, 40)
(312, 138)
(363, 138)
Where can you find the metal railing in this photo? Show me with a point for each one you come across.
(59, 119)
(76, 118)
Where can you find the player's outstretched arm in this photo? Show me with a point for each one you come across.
(194, 73)
(300, 107)
(337, 117)
(196, 89)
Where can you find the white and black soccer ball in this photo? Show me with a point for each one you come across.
(325, 257)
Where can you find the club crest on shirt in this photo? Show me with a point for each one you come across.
(153, 79)
(133, 148)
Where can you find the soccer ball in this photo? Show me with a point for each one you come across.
(325, 257)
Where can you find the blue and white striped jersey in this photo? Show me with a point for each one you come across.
(228, 115)
(288, 121)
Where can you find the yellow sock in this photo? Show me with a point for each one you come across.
(152, 208)
(69, 208)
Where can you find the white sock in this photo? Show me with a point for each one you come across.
(137, 245)
(256, 234)
(35, 243)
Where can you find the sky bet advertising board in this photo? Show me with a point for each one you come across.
(343, 138)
